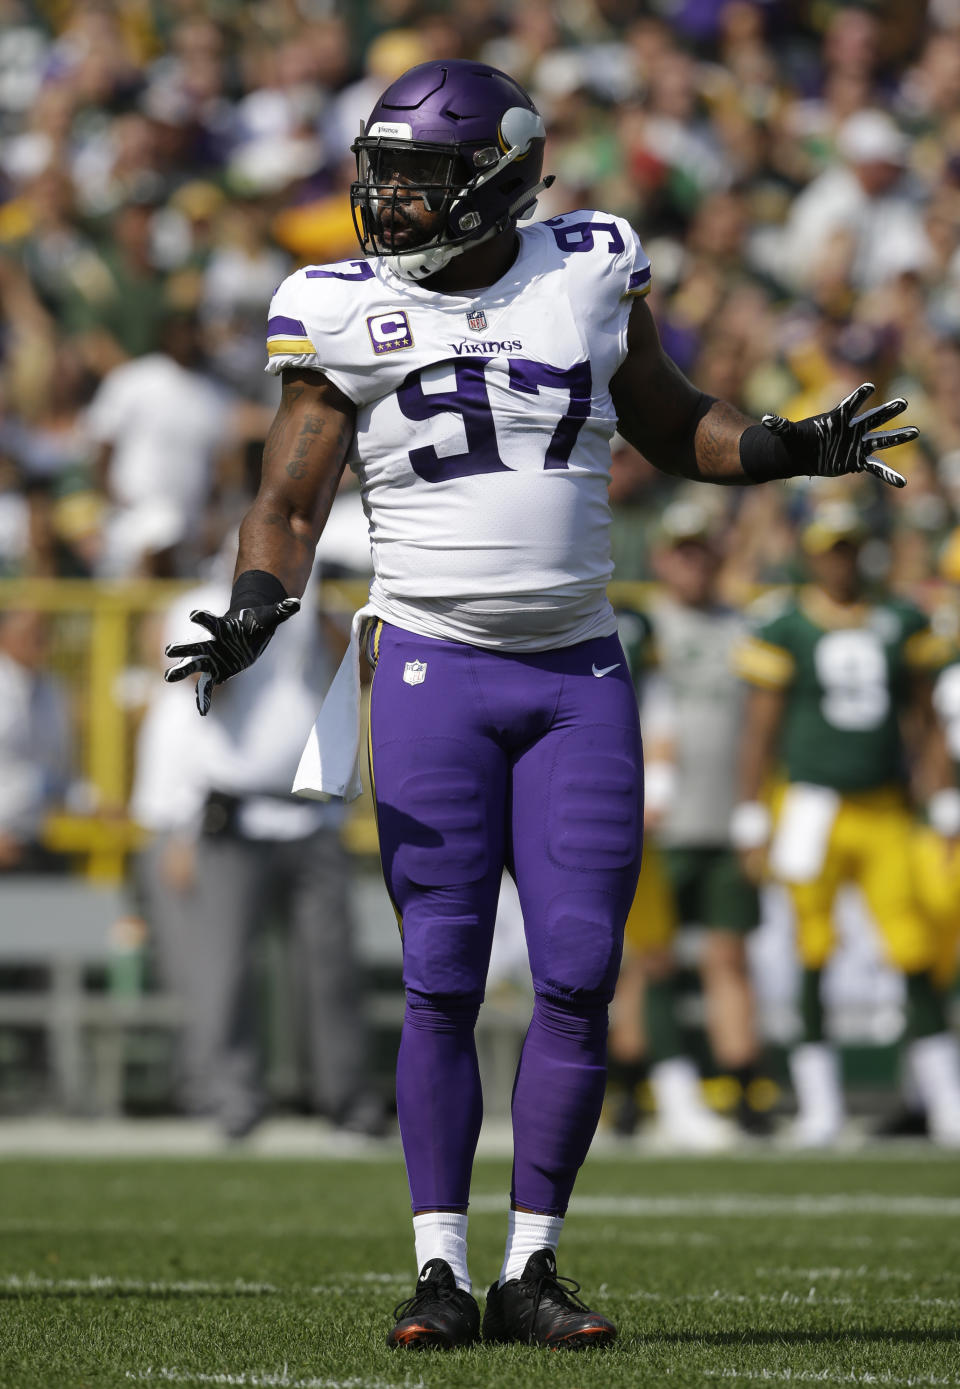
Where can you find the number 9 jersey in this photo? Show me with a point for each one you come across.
(846, 675)
(483, 428)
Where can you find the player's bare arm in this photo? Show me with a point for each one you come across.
(935, 782)
(762, 718)
(663, 415)
(683, 431)
(750, 823)
(303, 459)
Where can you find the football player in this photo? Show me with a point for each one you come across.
(691, 718)
(472, 371)
(834, 676)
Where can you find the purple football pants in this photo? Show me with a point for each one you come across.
(482, 759)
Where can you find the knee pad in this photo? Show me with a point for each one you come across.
(578, 952)
(445, 956)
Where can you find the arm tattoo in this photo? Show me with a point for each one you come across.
(717, 441)
(277, 433)
(312, 427)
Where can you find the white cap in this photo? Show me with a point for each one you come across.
(872, 137)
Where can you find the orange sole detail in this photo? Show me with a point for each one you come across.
(415, 1336)
(583, 1338)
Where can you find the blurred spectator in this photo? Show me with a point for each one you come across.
(34, 743)
(635, 490)
(167, 802)
(865, 210)
(48, 441)
(233, 848)
(694, 716)
(59, 542)
(241, 274)
(159, 423)
(645, 1035)
(126, 300)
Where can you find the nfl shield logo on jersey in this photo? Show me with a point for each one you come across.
(477, 320)
(414, 672)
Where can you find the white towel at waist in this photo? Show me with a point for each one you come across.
(329, 762)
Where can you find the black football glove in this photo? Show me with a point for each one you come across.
(237, 639)
(841, 441)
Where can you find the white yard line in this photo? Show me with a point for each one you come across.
(102, 1283)
(784, 1299)
(105, 1283)
(739, 1206)
(642, 1238)
(260, 1379)
(791, 1299)
(833, 1271)
(787, 1376)
(313, 1140)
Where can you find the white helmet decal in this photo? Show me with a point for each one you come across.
(518, 128)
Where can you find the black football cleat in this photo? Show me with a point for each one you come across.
(439, 1315)
(905, 1122)
(537, 1310)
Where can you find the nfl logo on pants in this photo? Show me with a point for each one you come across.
(414, 672)
(477, 320)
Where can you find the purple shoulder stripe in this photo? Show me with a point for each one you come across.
(280, 324)
(639, 277)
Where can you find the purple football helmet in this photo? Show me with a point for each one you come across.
(462, 137)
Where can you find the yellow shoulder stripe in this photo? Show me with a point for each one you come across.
(762, 663)
(926, 650)
(292, 346)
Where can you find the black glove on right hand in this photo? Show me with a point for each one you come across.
(237, 639)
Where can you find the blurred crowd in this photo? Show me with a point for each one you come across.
(793, 168)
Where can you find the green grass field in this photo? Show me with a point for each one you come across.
(246, 1271)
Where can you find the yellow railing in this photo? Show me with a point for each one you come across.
(94, 641)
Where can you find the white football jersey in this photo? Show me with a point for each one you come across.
(483, 428)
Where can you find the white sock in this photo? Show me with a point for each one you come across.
(815, 1072)
(676, 1089)
(526, 1233)
(443, 1235)
(935, 1063)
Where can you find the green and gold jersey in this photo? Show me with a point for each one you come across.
(846, 672)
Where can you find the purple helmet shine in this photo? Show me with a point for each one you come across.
(462, 137)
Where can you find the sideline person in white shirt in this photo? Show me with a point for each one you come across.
(34, 741)
(158, 423)
(222, 790)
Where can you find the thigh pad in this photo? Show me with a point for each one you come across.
(593, 801)
(433, 811)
